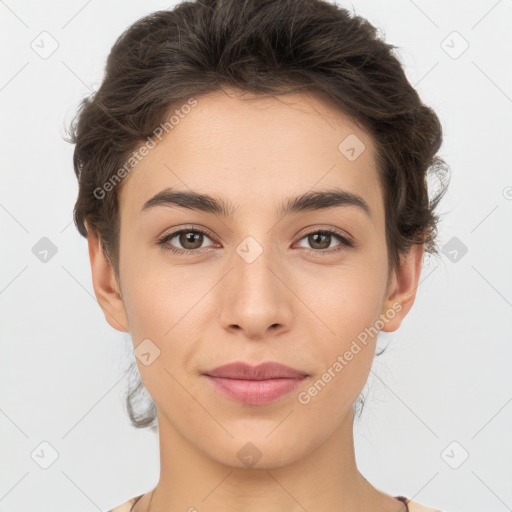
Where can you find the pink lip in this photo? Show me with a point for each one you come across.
(255, 385)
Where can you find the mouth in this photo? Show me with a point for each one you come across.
(255, 385)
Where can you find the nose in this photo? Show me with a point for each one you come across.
(256, 299)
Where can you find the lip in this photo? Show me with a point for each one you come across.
(263, 371)
(255, 385)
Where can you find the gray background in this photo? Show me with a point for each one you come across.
(442, 390)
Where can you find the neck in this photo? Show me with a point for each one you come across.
(325, 479)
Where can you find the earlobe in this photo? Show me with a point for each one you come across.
(106, 287)
(403, 288)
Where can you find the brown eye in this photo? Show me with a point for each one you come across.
(320, 241)
(190, 239)
(183, 241)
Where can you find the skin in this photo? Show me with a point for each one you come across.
(290, 305)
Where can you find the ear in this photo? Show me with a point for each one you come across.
(105, 284)
(402, 288)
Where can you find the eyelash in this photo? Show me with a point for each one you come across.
(344, 241)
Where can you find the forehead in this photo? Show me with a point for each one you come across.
(246, 147)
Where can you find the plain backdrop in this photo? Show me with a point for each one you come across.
(437, 420)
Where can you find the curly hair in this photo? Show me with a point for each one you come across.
(268, 47)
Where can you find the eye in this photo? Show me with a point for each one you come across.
(190, 240)
(320, 241)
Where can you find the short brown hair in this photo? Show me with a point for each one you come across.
(259, 46)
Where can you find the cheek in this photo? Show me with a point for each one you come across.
(161, 302)
(344, 300)
(345, 305)
(163, 305)
(156, 295)
(346, 353)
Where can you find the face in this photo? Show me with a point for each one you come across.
(254, 283)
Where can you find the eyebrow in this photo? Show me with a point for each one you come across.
(315, 200)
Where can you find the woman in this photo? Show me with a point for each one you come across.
(252, 185)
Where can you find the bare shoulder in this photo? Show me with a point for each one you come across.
(126, 506)
(414, 506)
